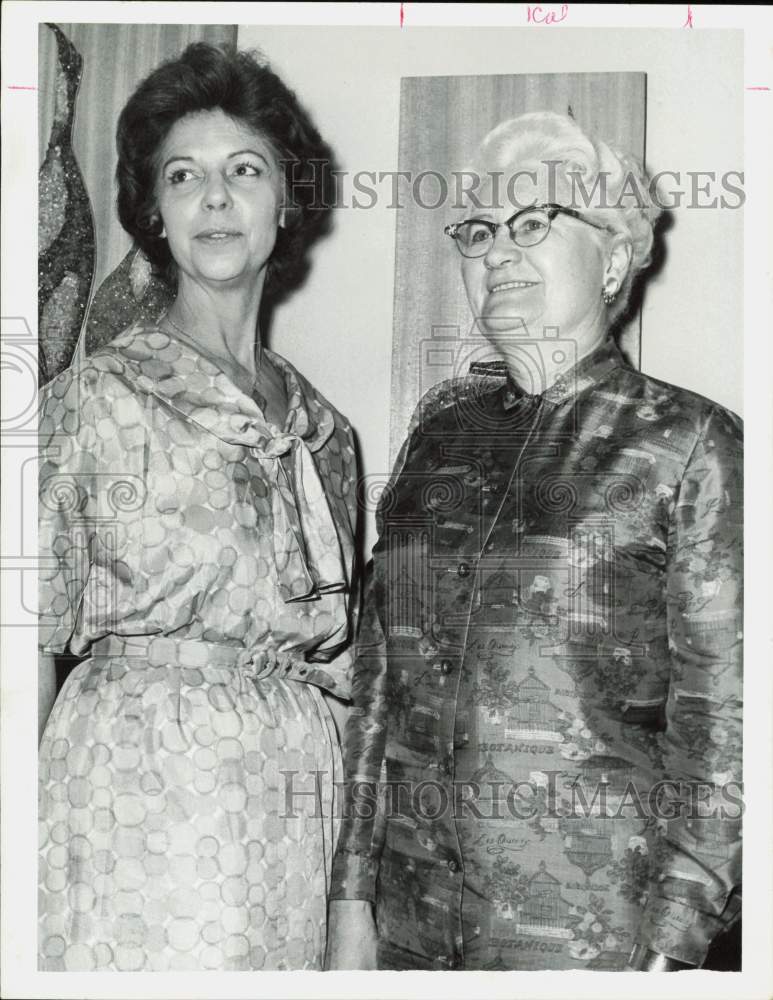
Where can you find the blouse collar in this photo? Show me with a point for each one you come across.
(174, 371)
(308, 551)
(586, 373)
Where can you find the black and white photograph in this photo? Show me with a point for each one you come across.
(375, 386)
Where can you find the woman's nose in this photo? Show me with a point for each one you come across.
(216, 193)
(502, 250)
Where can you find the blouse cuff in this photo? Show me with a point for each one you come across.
(354, 876)
(677, 930)
(53, 640)
(329, 680)
(644, 959)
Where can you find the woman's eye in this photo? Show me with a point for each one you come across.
(247, 170)
(179, 176)
(478, 234)
(532, 225)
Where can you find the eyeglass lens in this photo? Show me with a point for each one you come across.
(474, 237)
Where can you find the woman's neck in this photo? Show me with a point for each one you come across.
(224, 326)
(537, 364)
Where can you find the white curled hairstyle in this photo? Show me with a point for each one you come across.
(629, 206)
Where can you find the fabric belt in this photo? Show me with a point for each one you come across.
(163, 650)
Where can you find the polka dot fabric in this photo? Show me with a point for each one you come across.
(202, 558)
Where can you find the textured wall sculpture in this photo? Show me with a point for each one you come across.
(66, 246)
(130, 293)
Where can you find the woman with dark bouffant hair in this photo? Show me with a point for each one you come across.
(197, 516)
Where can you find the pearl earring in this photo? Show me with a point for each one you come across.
(608, 296)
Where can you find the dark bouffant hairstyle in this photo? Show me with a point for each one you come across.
(206, 78)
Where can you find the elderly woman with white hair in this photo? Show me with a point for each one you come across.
(543, 757)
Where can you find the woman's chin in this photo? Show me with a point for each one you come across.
(224, 274)
(498, 324)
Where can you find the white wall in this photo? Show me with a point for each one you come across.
(338, 328)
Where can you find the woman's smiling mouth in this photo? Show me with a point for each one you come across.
(507, 285)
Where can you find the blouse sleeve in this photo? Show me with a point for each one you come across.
(358, 855)
(332, 669)
(696, 890)
(361, 841)
(66, 505)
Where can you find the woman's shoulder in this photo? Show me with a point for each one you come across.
(447, 396)
(658, 400)
(142, 341)
(136, 343)
(90, 385)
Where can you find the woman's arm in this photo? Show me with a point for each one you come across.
(70, 466)
(352, 931)
(351, 935)
(46, 690)
(339, 710)
(692, 895)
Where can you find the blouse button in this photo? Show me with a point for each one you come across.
(446, 666)
(463, 570)
(453, 866)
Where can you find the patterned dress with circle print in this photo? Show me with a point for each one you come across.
(201, 558)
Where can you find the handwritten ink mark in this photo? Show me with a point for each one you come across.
(21, 88)
(539, 15)
(688, 23)
(402, 15)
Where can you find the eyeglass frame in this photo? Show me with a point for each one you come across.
(550, 209)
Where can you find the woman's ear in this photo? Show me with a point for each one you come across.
(155, 220)
(619, 256)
